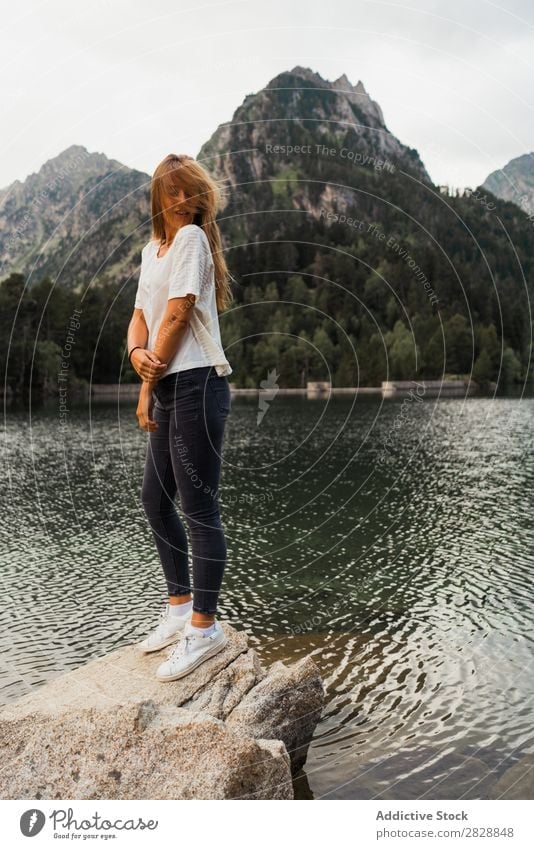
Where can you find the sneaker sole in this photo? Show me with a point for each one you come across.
(173, 639)
(215, 650)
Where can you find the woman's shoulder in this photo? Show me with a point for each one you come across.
(192, 233)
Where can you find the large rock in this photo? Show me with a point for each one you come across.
(109, 729)
(285, 704)
(142, 751)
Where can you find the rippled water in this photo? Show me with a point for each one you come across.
(409, 580)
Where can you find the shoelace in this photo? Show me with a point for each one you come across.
(181, 647)
(162, 617)
(163, 614)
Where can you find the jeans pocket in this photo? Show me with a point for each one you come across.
(220, 388)
(183, 398)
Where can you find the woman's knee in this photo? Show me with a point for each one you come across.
(205, 515)
(154, 502)
(158, 490)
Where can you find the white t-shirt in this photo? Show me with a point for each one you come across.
(186, 268)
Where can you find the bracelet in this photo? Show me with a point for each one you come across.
(131, 352)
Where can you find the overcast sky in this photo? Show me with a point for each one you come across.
(137, 79)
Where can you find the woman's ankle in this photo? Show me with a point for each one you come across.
(202, 620)
(181, 599)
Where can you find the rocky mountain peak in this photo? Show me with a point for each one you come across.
(303, 73)
(299, 107)
(77, 199)
(345, 84)
(514, 182)
(340, 99)
(75, 163)
(341, 85)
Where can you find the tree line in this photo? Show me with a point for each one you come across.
(352, 303)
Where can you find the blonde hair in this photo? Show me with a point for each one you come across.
(203, 198)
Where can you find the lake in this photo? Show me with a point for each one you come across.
(391, 540)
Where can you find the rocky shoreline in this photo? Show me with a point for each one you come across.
(231, 729)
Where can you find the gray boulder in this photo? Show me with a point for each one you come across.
(110, 730)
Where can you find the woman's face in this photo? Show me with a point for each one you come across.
(172, 202)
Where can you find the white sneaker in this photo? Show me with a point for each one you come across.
(191, 651)
(168, 630)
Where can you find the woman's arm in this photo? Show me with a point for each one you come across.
(145, 363)
(137, 330)
(171, 332)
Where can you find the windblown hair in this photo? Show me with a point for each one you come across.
(203, 199)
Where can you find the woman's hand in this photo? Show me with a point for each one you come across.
(147, 365)
(144, 408)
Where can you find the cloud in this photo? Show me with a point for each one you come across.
(140, 79)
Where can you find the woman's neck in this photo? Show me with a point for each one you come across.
(172, 229)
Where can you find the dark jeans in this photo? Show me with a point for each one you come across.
(184, 456)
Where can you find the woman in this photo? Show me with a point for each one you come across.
(174, 345)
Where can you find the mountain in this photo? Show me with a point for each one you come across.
(514, 182)
(299, 152)
(348, 263)
(81, 217)
(301, 123)
(353, 266)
